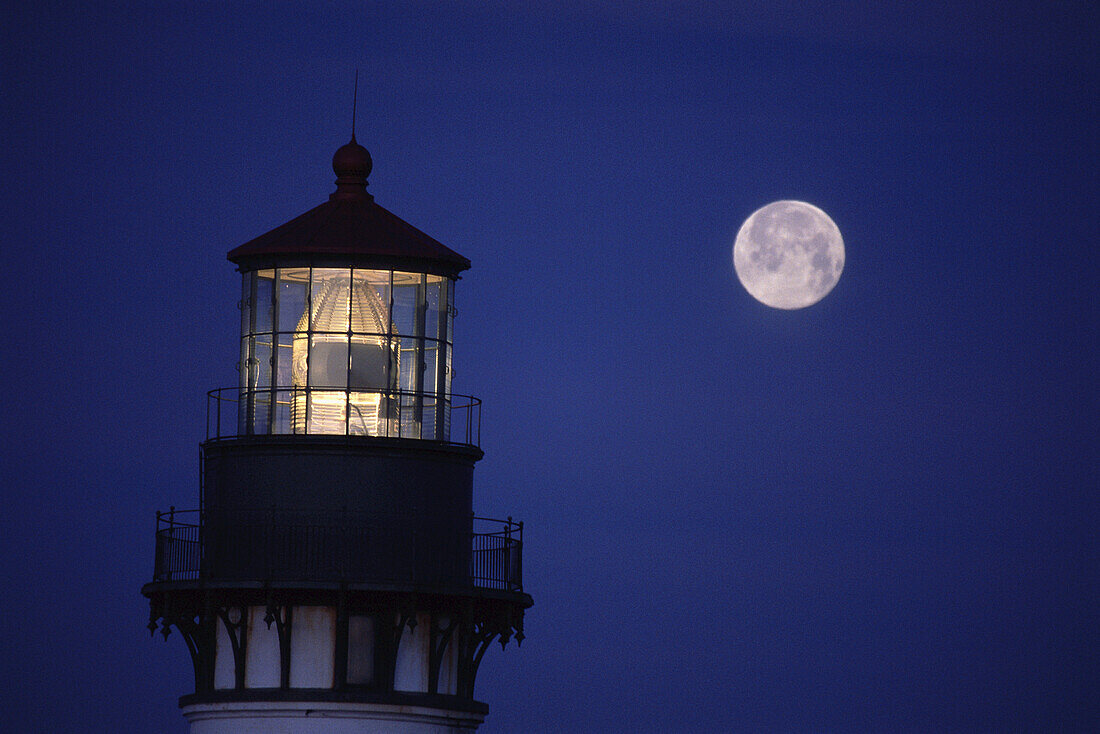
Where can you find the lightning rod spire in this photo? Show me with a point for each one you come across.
(354, 101)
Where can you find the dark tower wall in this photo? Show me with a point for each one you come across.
(327, 509)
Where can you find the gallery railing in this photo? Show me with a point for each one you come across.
(294, 545)
(232, 412)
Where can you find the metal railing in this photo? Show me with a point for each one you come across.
(178, 549)
(232, 412)
(496, 559)
(286, 545)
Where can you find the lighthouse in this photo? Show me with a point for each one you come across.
(334, 577)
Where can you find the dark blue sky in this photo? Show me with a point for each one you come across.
(875, 514)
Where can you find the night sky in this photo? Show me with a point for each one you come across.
(875, 514)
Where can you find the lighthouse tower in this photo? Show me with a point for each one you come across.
(334, 577)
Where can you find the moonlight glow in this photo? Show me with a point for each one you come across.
(788, 254)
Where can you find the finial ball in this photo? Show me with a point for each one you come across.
(352, 161)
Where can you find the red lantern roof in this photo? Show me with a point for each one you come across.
(351, 226)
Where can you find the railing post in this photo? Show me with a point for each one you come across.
(156, 550)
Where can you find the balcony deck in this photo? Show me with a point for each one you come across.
(273, 546)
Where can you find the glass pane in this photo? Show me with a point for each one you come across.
(216, 422)
(328, 360)
(261, 411)
(299, 354)
(259, 363)
(437, 317)
(411, 365)
(450, 313)
(428, 418)
(443, 422)
(246, 302)
(431, 366)
(284, 360)
(299, 409)
(409, 410)
(264, 305)
(367, 414)
(243, 417)
(370, 301)
(447, 373)
(281, 418)
(330, 299)
(445, 388)
(370, 363)
(394, 355)
(242, 365)
(293, 284)
(433, 418)
(326, 411)
(407, 304)
(435, 313)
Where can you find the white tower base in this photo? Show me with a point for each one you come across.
(326, 718)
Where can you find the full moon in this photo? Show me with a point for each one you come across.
(788, 254)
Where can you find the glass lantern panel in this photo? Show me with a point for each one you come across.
(299, 409)
(284, 360)
(428, 417)
(370, 301)
(264, 305)
(292, 288)
(370, 363)
(408, 300)
(436, 307)
(259, 363)
(261, 411)
(242, 365)
(330, 300)
(327, 411)
(243, 411)
(299, 358)
(450, 312)
(328, 360)
(246, 304)
(430, 358)
(281, 419)
(368, 413)
(447, 374)
(411, 362)
(408, 415)
(258, 397)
